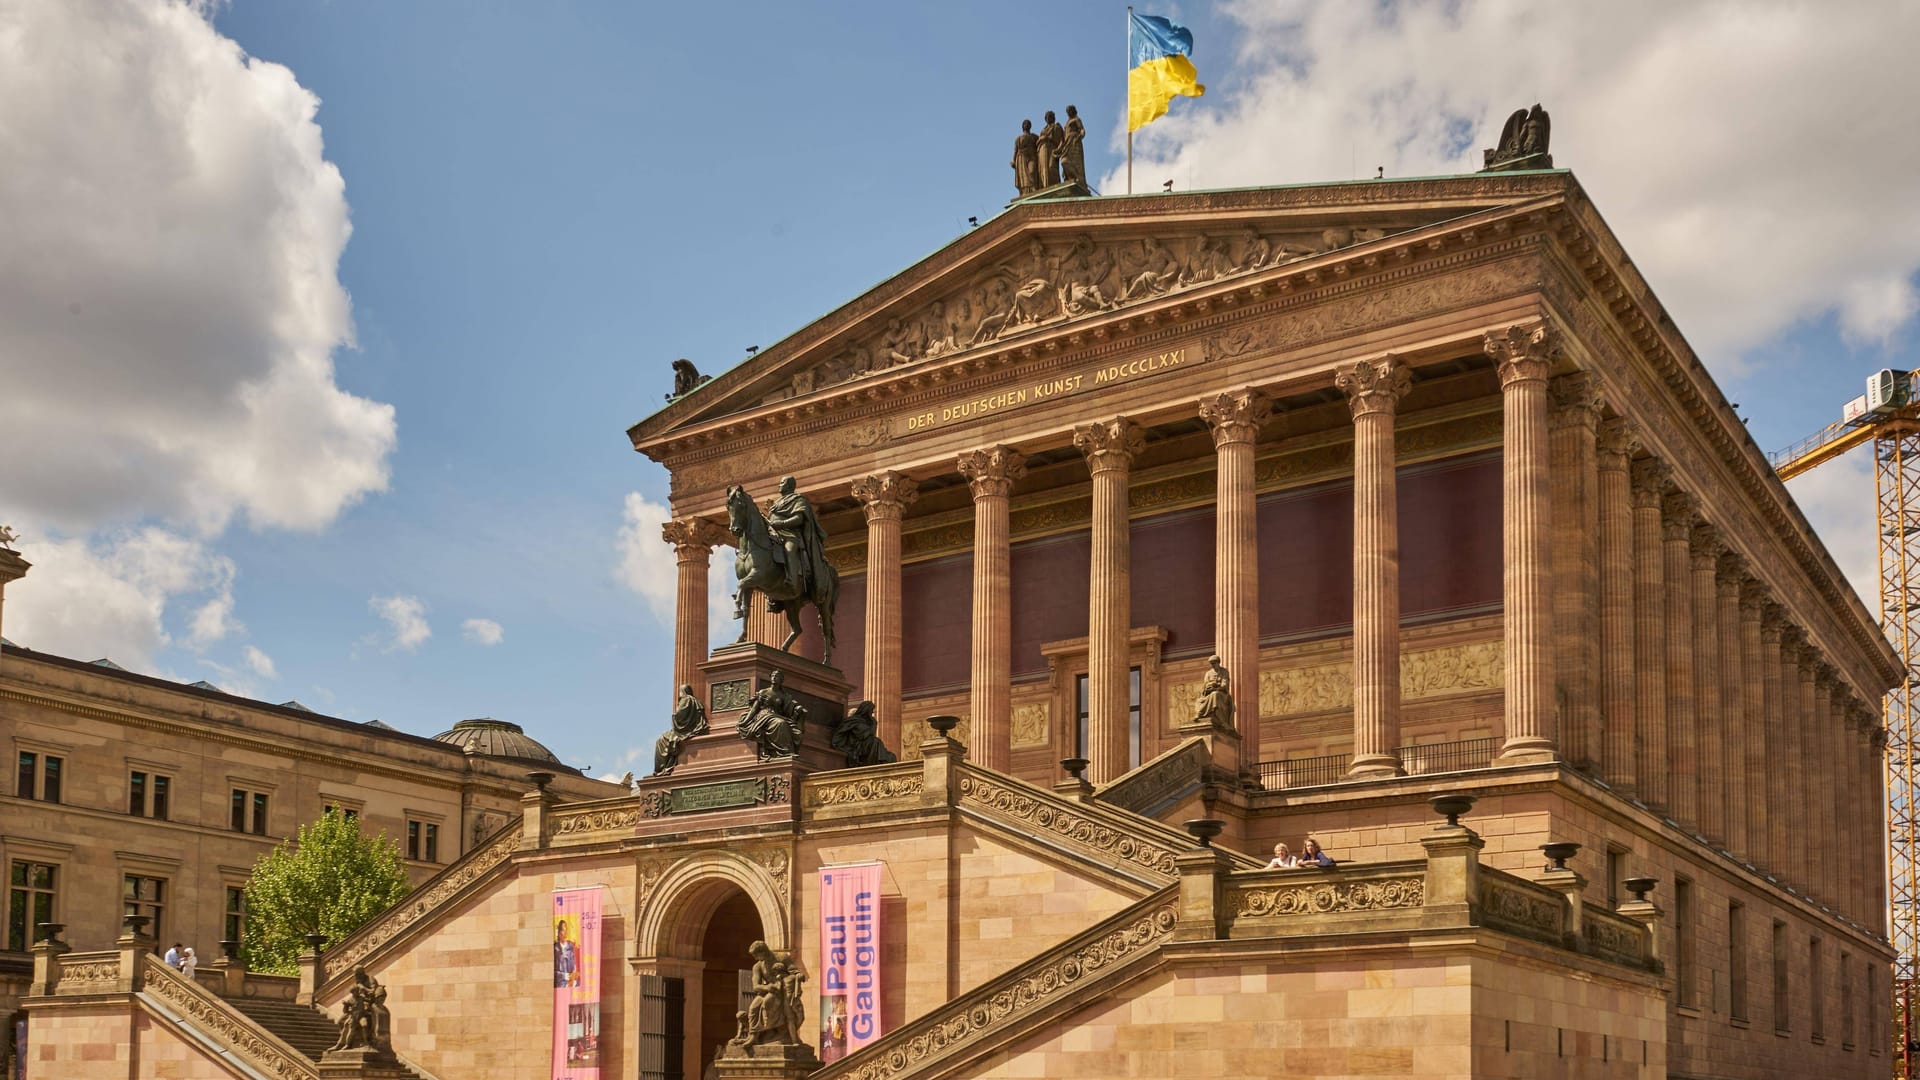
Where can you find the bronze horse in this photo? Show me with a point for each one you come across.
(757, 567)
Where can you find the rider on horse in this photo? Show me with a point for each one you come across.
(802, 551)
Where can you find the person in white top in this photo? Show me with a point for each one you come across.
(188, 962)
(173, 956)
(1283, 859)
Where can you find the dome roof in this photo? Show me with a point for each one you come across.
(487, 737)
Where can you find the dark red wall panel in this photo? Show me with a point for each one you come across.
(1172, 582)
(1450, 549)
(1049, 596)
(936, 599)
(849, 631)
(1306, 560)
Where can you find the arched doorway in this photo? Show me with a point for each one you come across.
(695, 929)
(723, 951)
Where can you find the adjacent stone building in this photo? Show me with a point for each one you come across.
(1427, 468)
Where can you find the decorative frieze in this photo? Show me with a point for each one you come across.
(1030, 726)
(867, 789)
(1466, 668)
(1055, 820)
(579, 823)
(1329, 897)
(225, 1025)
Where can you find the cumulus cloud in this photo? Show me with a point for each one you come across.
(1747, 153)
(106, 596)
(482, 631)
(649, 567)
(259, 663)
(406, 618)
(169, 307)
(1838, 500)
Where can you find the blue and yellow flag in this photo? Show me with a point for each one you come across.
(1157, 67)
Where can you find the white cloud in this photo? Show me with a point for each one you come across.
(1838, 500)
(169, 306)
(406, 618)
(1750, 155)
(107, 596)
(482, 631)
(260, 663)
(647, 563)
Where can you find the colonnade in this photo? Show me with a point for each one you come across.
(1639, 645)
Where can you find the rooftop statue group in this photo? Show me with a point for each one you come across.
(782, 555)
(1523, 142)
(1055, 156)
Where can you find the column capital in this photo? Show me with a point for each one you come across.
(886, 495)
(1676, 513)
(1650, 477)
(1877, 738)
(992, 471)
(1573, 400)
(1825, 675)
(1236, 415)
(1616, 441)
(1523, 354)
(1109, 444)
(1773, 624)
(694, 538)
(1729, 567)
(1703, 542)
(1374, 386)
(1754, 598)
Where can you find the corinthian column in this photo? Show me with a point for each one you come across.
(1799, 746)
(991, 474)
(1676, 528)
(1615, 548)
(1860, 797)
(1773, 779)
(1109, 447)
(1730, 731)
(886, 497)
(1650, 759)
(1750, 726)
(693, 541)
(1574, 413)
(1523, 358)
(1374, 389)
(1821, 791)
(1235, 419)
(1709, 794)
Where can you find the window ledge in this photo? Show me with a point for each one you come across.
(1690, 1011)
(1740, 1022)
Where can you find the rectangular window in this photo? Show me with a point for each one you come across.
(1737, 960)
(260, 813)
(1082, 711)
(146, 896)
(433, 842)
(413, 840)
(162, 790)
(236, 921)
(28, 785)
(39, 777)
(1616, 873)
(137, 794)
(1781, 1012)
(1816, 989)
(1080, 716)
(238, 811)
(1874, 1039)
(347, 812)
(1683, 941)
(1846, 1002)
(29, 902)
(147, 794)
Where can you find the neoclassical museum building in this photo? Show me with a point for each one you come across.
(1396, 514)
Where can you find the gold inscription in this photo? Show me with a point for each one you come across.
(1017, 392)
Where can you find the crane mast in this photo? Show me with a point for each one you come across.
(1888, 417)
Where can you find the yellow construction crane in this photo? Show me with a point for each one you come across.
(1888, 416)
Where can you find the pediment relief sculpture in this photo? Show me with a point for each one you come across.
(1053, 280)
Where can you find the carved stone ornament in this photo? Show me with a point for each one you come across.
(1323, 898)
(867, 789)
(992, 471)
(1109, 444)
(1574, 398)
(1615, 442)
(1061, 823)
(1524, 142)
(693, 538)
(1703, 543)
(1523, 354)
(1374, 386)
(1677, 514)
(1236, 417)
(886, 495)
(1649, 476)
(365, 1024)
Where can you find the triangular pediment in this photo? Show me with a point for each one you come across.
(1045, 264)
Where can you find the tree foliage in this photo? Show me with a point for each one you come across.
(330, 881)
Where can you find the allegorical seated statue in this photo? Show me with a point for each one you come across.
(857, 736)
(777, 1011)
(689, 719)
(685, 378)
(364, 1019)
(774, 721)
(1215, 704)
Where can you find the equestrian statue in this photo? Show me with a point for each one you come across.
(782, 556)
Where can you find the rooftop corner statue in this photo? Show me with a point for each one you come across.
(783, 556)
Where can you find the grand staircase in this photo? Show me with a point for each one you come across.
(302, 1027)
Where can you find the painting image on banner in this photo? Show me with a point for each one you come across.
(576, 984)
(849, 959)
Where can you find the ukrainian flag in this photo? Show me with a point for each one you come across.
(1157, 67)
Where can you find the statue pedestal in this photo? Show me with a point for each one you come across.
(363, 1063)
(720, 780)
(765, 1062)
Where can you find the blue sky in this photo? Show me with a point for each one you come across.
(551, 202)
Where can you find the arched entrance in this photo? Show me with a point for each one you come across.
(697, 925)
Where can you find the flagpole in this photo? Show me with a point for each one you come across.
(1129, 100)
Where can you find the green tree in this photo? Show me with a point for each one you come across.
(330, 881)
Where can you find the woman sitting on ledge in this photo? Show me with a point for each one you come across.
(1283, 858)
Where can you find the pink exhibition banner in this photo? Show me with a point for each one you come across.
(576, 984)
(849, 959)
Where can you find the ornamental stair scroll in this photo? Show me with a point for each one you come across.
(222, 1024)
(1055, 281)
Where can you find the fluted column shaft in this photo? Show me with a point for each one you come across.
(1572, 417)
(693, 541)
(885, 497)
(1771, 775)
(1730, 729)
(1373, 390)
(1676, 525)
(1860, 793)
(1109, 447)
(991, 474)
(1799, 747)
(1235, 419)
(1615, 548)
(1750, 741)
(1709, 792)
(1831, 866)
(1652, 763)
(1876, 816)
(1851, 794)
(1523, 358)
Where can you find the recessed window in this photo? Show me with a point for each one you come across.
(348, 812)
(39, 776)
(1816, 989)
(1737, 960)
(30, 902)
(1683, 938)
(1081, 710)
(1781, 1012)
(236, 916)
(1846, 1001)
(423, 841)
(148, 794)
(247, 811)
(146, 896)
